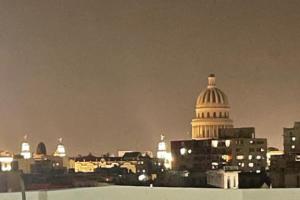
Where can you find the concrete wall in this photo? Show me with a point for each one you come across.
(155, 193)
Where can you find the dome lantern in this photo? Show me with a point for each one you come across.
(211, 81)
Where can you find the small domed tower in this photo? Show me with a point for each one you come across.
(25, 149)
(162, 152)
(41, 149)
(60, 149)
(212, 112)
(162, 148)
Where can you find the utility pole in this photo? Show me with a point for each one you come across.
(22, 184)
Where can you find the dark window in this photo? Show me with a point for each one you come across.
(259, 142)
(258, 149)
(215, 133)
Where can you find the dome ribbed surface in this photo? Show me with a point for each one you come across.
(212, 96)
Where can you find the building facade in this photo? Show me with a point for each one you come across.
(235, 147)
(132, 162)
(272, 151)
(212, 112)
(291, 139)
(285, 169)
(6, 160)
(227, 178)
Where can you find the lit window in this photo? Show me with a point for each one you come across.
(262, 149)
(251, 141)
(240, 157)
(225, 157)
(214, 165)
(251, 164)
(214, 143)
(142, 177)
(293, 138)
(258, 157)
(182, 151)
(293, 146)
(186, 173)
(242, 164)
(258, 171)
(162, 146)
(190, 151)
(250, 157)
(227, 143)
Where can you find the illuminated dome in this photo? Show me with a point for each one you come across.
(212, 112)
(212, 95)
(60, 149)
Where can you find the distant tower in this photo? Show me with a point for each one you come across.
(25, 148)
(212, 112)
(60, 150)
(162, 152)
(41, 149)
(162, 148)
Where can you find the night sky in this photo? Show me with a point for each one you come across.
(113, 75)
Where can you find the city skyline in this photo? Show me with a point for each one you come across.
(114, 76)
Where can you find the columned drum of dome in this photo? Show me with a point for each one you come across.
(212, 112)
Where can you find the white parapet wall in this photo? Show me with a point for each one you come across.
(156, 193)
(223, 179)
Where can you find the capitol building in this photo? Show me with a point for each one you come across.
(212, 112)
(216, 149)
